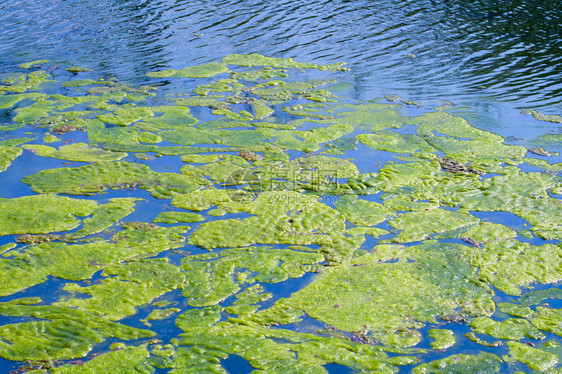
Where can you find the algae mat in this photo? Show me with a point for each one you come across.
(174, 231)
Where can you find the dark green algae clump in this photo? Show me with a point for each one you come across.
(266, 194)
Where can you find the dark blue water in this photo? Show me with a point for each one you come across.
(506, 52)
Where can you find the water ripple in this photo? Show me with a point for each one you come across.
(512, 50)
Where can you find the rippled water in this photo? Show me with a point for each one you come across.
(506, 51)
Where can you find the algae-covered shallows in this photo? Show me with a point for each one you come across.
(264, 192)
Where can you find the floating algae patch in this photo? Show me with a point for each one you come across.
(483, 363)
(278, 218)
(316, 173)
(75, 152)
(7, 155)
(516, 310)
(534, 358)
(548, 319)
(361, 212)
(417, 226)
(98, 177)
(246, 300)
(201, 71)
(543, 117)
(512, 328)
(30, 64)
(126, 287)
(511, 264)
(525, 195)
(487, 231)
(104, 216)
(395, 142)
(282, 351)
(442, 338)
(210, 278)
(392, 296)
(58, 333)
(126, 116)
(537, 296)
(122, 360)
(255, 59)
(41, 214)
(27, 267)
(159, 314)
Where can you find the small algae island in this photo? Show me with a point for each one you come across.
(261, 215)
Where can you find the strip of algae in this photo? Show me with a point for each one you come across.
(75, 152)
(95, 178)
(7, 155)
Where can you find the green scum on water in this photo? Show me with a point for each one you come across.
(395, 259)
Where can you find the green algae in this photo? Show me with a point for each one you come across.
(50, 139)
(7, 247)
(548, 320)
(118, 361)
(395, 142)
(25, 82)
(474, 338)
(95, 178)
(7, 155)
(103, 216)
(77, 69)
(75, 152)
(361, 212)
(255, 59)
(406, 203)
(213, 277)
(447, 281)
(536, 297)
(442, 338)
(536, 359)
(126, 116)
(417, 226)
(511, 264)
(543, 117)
(483, 363)
(131, 285)
(159, 314)
(41, 214)
(59, 333)
(28, 65)
(279, 217)
(27, 267)
(512, 329)
(487, 231)
(281, 351)
(516, 310)
(201, 71)
(254, 75)
(246, 300)
(524, 194)
(366, 292)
